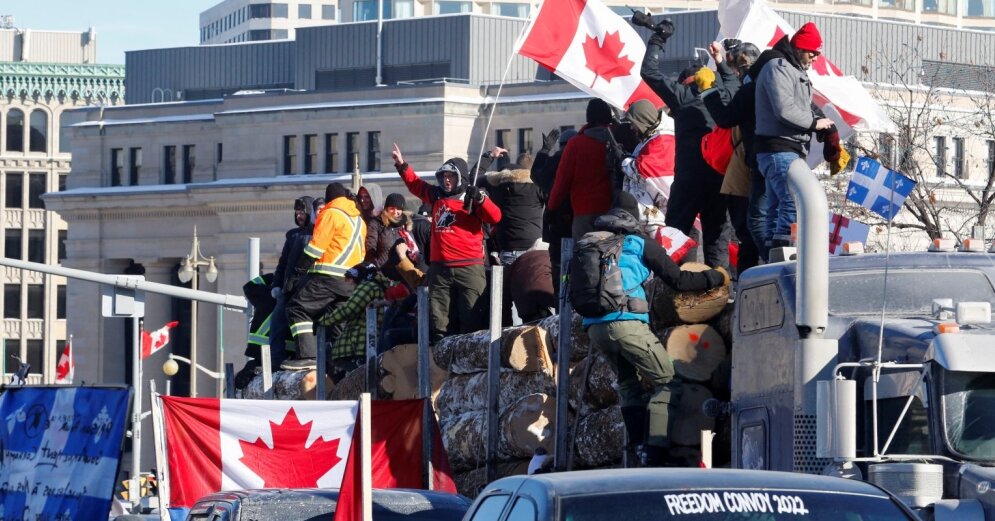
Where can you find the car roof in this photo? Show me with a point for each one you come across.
(878, 261)
(391, 499)
(637, 480)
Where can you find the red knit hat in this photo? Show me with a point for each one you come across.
(807, 38)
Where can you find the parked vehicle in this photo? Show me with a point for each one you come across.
(314, 504)
(691, 494)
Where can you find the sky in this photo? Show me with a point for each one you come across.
(120, 25)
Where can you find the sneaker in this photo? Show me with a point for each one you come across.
(300, 364)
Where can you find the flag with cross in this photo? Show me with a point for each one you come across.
(877, 188)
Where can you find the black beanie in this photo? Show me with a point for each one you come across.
(598, 112)
(625, 201)
(396, 200)
(335, 190)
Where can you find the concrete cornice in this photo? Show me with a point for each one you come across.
(74, 81)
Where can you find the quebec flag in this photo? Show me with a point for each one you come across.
(60, 448)
(877, 188)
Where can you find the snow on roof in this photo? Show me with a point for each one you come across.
(145, 120)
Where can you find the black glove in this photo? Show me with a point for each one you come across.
(475, 194)
(549, 140)
(642, 19)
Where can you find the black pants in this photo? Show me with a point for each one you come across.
(457, 292)
(697, 193)
(317, 295)
(749, 253)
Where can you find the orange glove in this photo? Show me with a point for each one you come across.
(839, 165)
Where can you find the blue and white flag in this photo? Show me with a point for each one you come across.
(877, 188)
(60, 449)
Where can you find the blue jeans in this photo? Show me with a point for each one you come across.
(756, 214)
(278, 332)
(780, 205)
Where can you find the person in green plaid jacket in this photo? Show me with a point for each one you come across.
(349, 350)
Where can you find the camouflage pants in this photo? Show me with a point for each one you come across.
(634, 350)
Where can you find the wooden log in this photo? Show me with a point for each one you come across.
(523, 426)
(689, 420)
(696, 350)
(579, 338)
(350, 386)
(670, 308)
(398, 370)
(599, 438)
(592, 384)
(471, 482)
(464, 393)
(523, 348)
(722, 323)
(287, 385)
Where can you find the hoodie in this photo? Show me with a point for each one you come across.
(582, 174)
(520, 201)
(642, 257)
(784, 116)
(294, 242)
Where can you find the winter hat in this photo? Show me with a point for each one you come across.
(335, 190)
(396, 200)
(425, 209)
(455, 164)
(807, 38)
(625, 201)
(687, 75)
(643, 116)
(598, 112)
(566, 135)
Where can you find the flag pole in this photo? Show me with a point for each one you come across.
(134, 488)
(366, 455)
(159, 442)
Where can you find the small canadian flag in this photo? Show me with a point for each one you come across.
(155, 340)
(67, 367)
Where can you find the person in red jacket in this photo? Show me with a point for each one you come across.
(456, 273)
(582, 174)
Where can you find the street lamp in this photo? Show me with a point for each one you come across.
(170, 368)
(190, 271)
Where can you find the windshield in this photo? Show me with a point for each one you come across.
(909, 292)
(738, 505)
(969, 413)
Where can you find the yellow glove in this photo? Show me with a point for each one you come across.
(725, 275)
(838, 166)
(704, 79)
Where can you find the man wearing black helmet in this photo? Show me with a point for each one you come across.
(456, 267)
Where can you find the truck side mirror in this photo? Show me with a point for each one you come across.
(836, 419)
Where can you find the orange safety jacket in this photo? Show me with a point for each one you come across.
(339, 239)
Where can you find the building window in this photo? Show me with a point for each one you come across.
(310, 153)
(12, 243)
(15, 130)
(14, 196)
(189, 162)
(259, 10)
(36, 187)
(328, 12)
(134, 165)
(351, 151)
(63, 236)
(12, 300)
(36, 355)
(502, 138)
(364, 10)
(331, 152)
(38, 140)
(289, 155)
(960, 162)
(525, 141)
(60, 302)
(373, 151)
(304, 11)
(450, 7)
(117, 166)
(403, 9)
(940, 155)
(36, 307)
(63, 182)
(281, 11)
(36, 246)
(219, 153)
(510, 9)
(169, 164)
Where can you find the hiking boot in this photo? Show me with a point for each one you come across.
(300, 364)
(245, 375)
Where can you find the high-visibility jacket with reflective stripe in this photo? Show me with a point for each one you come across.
(339, 239)
(260, 336)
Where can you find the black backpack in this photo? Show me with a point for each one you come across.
(595, 283)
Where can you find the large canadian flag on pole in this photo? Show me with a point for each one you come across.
(215, 445)
(841, 97)
(587, 44)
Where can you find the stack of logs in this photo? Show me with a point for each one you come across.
(693, 327)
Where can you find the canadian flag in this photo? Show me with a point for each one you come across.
(587, 44)
(841, 97)
(156, 340)
(67, 367)
(215, 444)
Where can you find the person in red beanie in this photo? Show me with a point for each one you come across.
(786, 119)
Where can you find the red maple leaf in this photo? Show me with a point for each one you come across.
(778, 34)
(289, 463)
(603, 58)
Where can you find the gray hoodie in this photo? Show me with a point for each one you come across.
(785, 120)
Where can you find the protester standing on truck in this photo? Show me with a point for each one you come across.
(624, 335)
(456, 275)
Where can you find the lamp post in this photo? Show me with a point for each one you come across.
(190, 271)
(170, 367)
